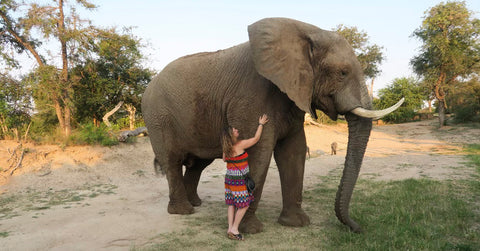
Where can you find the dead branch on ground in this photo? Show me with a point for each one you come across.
(19, 162)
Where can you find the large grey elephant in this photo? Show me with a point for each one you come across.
(287, 68)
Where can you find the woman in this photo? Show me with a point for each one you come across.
(237, 197)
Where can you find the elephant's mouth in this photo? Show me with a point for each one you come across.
(327, 106)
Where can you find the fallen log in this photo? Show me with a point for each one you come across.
(126, 134)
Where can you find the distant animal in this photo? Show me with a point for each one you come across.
(334, 148)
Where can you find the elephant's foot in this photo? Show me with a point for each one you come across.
(250, 225)
(180, 207)
(294, 218)
(195, 200)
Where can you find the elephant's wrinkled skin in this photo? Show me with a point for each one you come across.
(286, 68)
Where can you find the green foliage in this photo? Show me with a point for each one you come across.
(450, 41)
(15, 107)
(92, 135)
(10, 28)
(104, 66)
(464, 101)
(115, 74)
(408, 88)
(369, 56)
(450, 50)
(124, 122)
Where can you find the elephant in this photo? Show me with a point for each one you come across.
(286, 69)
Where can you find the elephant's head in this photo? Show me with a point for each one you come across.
(318, 69)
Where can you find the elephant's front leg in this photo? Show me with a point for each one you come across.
(290, 158)
(258, 160)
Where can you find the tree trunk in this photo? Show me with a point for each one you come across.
(429, 105)
(370, 92)
(96, 122)
(65, 86)
(131, 115)
(59, 112)
(441, 113)
(68, 119)
(3, 125)
(440, 95)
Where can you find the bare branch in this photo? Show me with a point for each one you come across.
(19, 163)
(110, 113)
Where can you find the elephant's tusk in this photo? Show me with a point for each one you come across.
(374, 114)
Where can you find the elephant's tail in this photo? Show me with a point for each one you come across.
(158, 168)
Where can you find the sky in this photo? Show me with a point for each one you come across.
(176, 28)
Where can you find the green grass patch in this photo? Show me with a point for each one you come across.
(401, 215)
(4, 234)
(473, 154)
(412, 215)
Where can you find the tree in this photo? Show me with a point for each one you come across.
(450, 49)
(13, 36)
(369, 56)
(15, 107)
(112, 74)
(408, 88)
(50, 21)
(464, 100)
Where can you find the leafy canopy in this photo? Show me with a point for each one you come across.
(369, 56)
(451, 47)
(112, 74)
(408, 88)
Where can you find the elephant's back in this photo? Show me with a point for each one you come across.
(206, 74)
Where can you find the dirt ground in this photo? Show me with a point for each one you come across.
(94, 198)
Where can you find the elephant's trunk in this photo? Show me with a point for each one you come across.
(358, 134)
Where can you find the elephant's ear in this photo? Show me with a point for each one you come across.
(281, 53)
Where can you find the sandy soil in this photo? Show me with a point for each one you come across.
(94, 198)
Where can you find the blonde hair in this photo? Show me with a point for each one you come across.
(227, 141)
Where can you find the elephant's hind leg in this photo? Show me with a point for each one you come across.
(179, 203)
(191, 178)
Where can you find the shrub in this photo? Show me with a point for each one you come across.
(92, 135)
(467, 113)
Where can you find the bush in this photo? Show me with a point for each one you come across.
(407, 88)
(92, 135)
(401, 115)
(464, 101)
(467, 113)
(124, 122)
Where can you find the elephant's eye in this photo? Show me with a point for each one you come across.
(344, 73)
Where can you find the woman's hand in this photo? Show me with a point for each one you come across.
(263, 119)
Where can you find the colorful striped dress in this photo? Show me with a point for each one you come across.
(236, 193)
